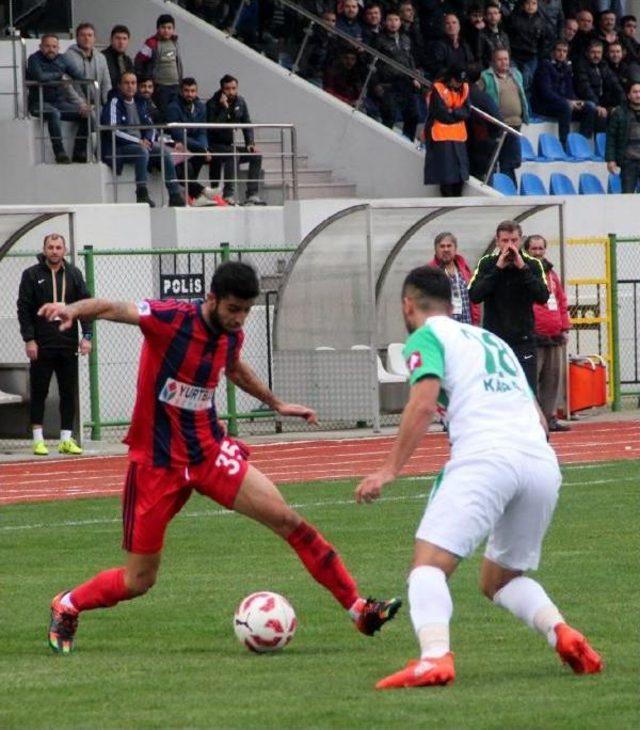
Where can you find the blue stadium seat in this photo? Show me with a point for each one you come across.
(527, 151)
(560, 184)
(601, 143)
(614, 185)
(531, 184)
(503, 184)
(589, 184)
(579, 148)
(550, 149)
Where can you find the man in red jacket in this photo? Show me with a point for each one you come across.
(456, 268)
(551, 328)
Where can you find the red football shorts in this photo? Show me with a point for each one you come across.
(153, 496)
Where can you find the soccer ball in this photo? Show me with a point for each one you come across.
(264, 622)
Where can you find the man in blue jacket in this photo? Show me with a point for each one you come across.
(554, 95)
(54, 102)
(135, 146)
(189, 109)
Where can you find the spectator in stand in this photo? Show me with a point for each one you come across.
(606, 31)
(626, 73)
(552, 14)
(457, 269)
(396, 93)
(47, 64)
(159, 58)
(49, 350)
(472, 30)
(451, 50)
(343, 78)
(371, 23)
(215, 12)
(135, 146)
(527, 38)
(595, 82)
(503, 84)
(629, 25)
(446, 162)
(86, 63)
(569, 30)
(319, 52)
(508, 8)
(551, 334)
(189, 109)
(348, 21)
(554, 94)
(116, 54)
(492, 36)
(584, 35)
(411, 27)
(146, 89)
(483, 135)
(510, 282)
(623, 140)
(228, 107)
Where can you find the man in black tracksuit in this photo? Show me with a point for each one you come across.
(52, 279)
(509, 282)
(227, 106)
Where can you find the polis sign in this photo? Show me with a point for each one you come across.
(181, 286)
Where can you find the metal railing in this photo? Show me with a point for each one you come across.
(92, 117)
(288, 156)
(15, 40)
(376, 58)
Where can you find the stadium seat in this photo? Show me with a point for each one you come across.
(395, 359)
(531, 184)
(614, 184)
(601, 143)
(527, 151)
(579, 148)
(387, 377)
(589, 184)
(550, 149)
(503, 184)
(324, 348)
(560, 184)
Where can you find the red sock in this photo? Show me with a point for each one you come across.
(103, 590)
(324, 563)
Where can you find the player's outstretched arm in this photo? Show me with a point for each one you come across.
(244, 377)
(416, 417)
(90, 309)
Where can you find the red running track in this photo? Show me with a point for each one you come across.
(101, 476)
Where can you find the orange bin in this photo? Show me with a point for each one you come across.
(587, 383)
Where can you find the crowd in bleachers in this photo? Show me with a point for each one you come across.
(149, 89)
(574, 59)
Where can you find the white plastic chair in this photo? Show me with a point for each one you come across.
(395, 360)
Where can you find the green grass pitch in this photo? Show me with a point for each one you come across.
(170, 659)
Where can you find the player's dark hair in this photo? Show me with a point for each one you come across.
(237, 279)
(120, 29)
(227, 79)
(526, 245)
(188, 81)
(509, 227)
(427, 285)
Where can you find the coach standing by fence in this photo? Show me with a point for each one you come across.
(509, 282)
(52, 279)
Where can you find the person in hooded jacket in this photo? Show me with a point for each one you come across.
(52, 279)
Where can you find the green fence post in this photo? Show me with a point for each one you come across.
(232, 427)
(94, 384)
(615, 355)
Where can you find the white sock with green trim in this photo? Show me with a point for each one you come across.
(431, 608)
(65, 435)
(528, 601)
(37, 435)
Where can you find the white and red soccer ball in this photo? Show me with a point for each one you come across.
(264, 622)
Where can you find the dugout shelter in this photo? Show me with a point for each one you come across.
(339, 309)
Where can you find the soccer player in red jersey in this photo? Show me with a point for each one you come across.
(176, 444)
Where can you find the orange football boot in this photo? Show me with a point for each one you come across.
(422, 673)
(575, 650)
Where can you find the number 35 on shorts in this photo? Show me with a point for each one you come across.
(231, 455)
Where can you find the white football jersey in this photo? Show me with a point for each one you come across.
(484, 390)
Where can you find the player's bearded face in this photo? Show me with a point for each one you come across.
(230, 313)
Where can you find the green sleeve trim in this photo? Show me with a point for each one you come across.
(424, 354)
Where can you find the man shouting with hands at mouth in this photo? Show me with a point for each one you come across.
(510, 282)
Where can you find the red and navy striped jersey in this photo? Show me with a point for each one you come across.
(174, 420)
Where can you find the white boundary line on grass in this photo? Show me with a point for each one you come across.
(302, 505)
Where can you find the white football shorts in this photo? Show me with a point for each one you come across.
(507, 495)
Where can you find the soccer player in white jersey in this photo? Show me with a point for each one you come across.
(501, 481)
